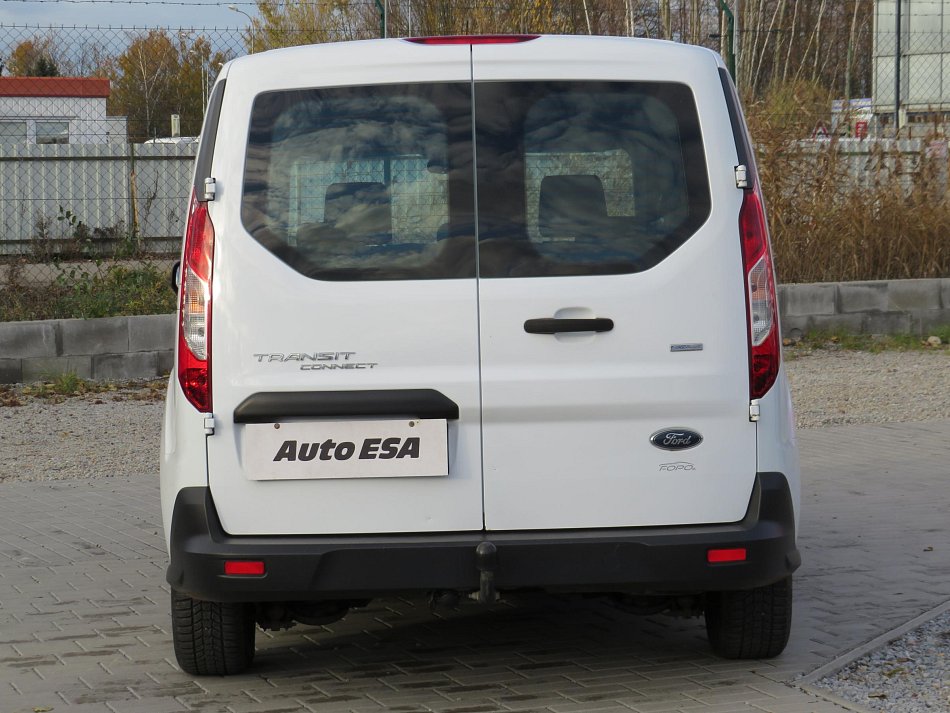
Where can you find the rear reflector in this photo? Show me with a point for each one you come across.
(244, 567)
(473, 39)
(737, 554)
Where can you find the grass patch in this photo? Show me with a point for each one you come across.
(843, 341)
(58, 388)
(111, 290)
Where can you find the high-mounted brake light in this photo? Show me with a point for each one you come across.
(472, 39)
(762, 306)
(194, 326)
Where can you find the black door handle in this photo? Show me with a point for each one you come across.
(549, 325)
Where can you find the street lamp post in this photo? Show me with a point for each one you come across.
(250, 23)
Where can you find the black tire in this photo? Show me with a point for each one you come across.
(212, 638)
(750, 624)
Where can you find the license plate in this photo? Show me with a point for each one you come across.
(346, 449)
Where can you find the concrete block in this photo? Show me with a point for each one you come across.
(945, 293)
(931, 320)
(810, 299)
(166, 362)
(119, 367)
(152, 332)
(913, 294)
(888, 323)
(108, 335)
(862, 296)
(11, 371)
(28, 339)
(796, 326)
(849, 323)
(44, 368)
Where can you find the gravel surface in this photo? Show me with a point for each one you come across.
(91, 436)
(117, 433)
(909, 675)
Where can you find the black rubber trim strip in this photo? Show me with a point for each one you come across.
(743, 149)
(667, 559)
(270, 406)
(550, 325)
(208, 133)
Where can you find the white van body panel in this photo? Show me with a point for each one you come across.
(416, 334)
(562, 421)
(567, 418)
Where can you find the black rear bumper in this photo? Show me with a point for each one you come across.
(643, 559)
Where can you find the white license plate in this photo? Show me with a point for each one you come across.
(391, 448)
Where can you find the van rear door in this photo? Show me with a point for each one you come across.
(611, 291)
(344, 311)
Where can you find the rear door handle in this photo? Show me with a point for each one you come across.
(549, 325)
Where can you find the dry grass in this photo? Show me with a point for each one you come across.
(829, 225)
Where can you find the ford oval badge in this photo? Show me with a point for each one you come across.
(675, 439)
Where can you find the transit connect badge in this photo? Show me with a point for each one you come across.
(676, 439)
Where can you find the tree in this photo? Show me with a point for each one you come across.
(158, 76)
(34, 58)
(286, 23)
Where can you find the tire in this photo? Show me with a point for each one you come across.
(750, 624)
(212, 638)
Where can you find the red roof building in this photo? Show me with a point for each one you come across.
(57, 110)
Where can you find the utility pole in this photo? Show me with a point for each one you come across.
(897, 69)
(728, 48)
(382, 8)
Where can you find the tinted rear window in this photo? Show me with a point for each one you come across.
(376, 183)
(360, 183)
(586, 177)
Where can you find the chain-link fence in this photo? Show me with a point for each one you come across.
(98, 126)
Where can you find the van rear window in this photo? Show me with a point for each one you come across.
(579, 178)
(364, 183)
(573, 178)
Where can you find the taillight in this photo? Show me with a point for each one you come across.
(762, 307)
(472, 39)
(194, 326)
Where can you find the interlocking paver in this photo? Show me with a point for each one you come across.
(84, 611)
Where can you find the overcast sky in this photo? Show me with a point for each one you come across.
(177, 13)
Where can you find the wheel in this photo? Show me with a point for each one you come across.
(752, 623)
(212, 638)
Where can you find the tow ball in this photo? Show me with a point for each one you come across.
(486, 559)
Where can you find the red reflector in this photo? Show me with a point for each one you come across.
(734, 555)
(244, 567)
(472, 39)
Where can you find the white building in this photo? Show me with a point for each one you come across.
(57, 110)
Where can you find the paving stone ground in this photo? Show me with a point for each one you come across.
(84, 622)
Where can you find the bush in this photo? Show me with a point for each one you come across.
(832, 221)
(108, 291)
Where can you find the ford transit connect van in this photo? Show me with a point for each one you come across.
(471, 315)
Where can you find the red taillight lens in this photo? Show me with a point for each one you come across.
(194, 326)
(472, 39)
(734, 554)
(244, 567)
(762, 306)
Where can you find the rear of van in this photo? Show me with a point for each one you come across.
(475, 315)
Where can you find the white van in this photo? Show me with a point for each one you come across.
(470, 315)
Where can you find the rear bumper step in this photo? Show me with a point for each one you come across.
(643, 559)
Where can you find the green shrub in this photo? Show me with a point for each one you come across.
(110, 290)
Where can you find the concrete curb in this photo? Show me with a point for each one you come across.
(116, 348)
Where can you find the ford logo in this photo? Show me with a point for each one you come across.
(675, 439)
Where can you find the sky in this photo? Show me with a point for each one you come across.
(128, 13)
